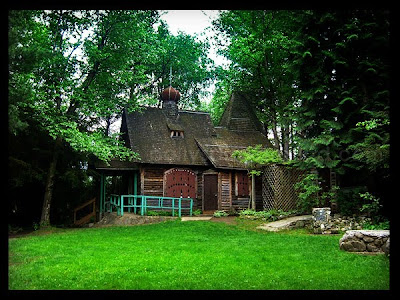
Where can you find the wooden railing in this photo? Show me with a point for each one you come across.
(86, 218)
(121, 202)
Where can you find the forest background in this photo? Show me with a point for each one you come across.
(318, 80)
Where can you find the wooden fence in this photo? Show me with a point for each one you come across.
(278, 187)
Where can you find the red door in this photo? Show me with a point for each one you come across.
(180, 182)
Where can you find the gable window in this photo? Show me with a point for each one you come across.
(242, 185)
(176, 133)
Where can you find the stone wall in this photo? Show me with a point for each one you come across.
(324, 223)
(366, 241)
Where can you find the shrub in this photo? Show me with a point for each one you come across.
(267, 215)
(372, 207)
(349, 200)
(378, 226)
(159, 213)
(220, 213)
(197, 212)
(308, 189)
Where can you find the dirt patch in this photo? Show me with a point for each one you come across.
(130, 219)
(231, 220)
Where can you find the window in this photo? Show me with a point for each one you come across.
(242, 185)
(176, 133)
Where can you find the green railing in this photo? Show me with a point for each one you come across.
(141, 202)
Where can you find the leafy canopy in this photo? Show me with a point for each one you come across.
(255, 157)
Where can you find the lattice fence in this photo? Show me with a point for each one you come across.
(278, 187)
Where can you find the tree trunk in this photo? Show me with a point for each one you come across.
(276, 136)
(285, 142)
(48, 193)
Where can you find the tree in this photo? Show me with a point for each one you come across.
(343, 80)
(191, 68)
(253, 158)
(260, 46)
(74, 72)
(67, 94)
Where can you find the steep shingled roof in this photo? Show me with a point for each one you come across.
(148, 132)
(149, 135)
(239, 115)
(219, 148)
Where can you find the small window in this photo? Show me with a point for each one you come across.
(176, 133)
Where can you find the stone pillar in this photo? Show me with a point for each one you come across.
(321, 220)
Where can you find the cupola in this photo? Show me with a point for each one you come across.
(170, 94)
(170, 98)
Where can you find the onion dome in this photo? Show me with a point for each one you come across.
(170, 94)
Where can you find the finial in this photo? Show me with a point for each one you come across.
(170, 76)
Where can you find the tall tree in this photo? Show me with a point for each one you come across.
(191, 69)
(343, 70)
(75, 71)
(260, 44)
(70, 93)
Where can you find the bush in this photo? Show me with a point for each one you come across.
(197, 212)
(220, 213)
(384, 225)
(349, 200)
(159, 213)
(308, 189)
(267, 215)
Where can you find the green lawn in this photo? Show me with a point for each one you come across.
(189, 255)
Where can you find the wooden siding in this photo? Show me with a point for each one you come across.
(224, 190)
(152, 181)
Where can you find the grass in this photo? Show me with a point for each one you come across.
(189, 255)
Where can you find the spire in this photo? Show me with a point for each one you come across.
(170, 76)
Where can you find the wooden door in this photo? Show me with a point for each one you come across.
(180, 182)
(211, 192)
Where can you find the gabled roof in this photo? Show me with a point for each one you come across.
(219, 148)
(239, 115)
(149, 135)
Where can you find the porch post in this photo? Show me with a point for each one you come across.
(101, 206)
(135, 176)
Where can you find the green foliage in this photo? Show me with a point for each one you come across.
(159, 213)
(349, 200)
(374, 150)
(197, 212)
(371, 206)
(124, 61)
(339, 90)
(384, 225)
(220, 213)
(260, 46)
(308, 189)
(266, 215)
(329, 196)
(256, 156)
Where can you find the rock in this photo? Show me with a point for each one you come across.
(386, 247)
(372, 248)
(365, 241)
(368, 239)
